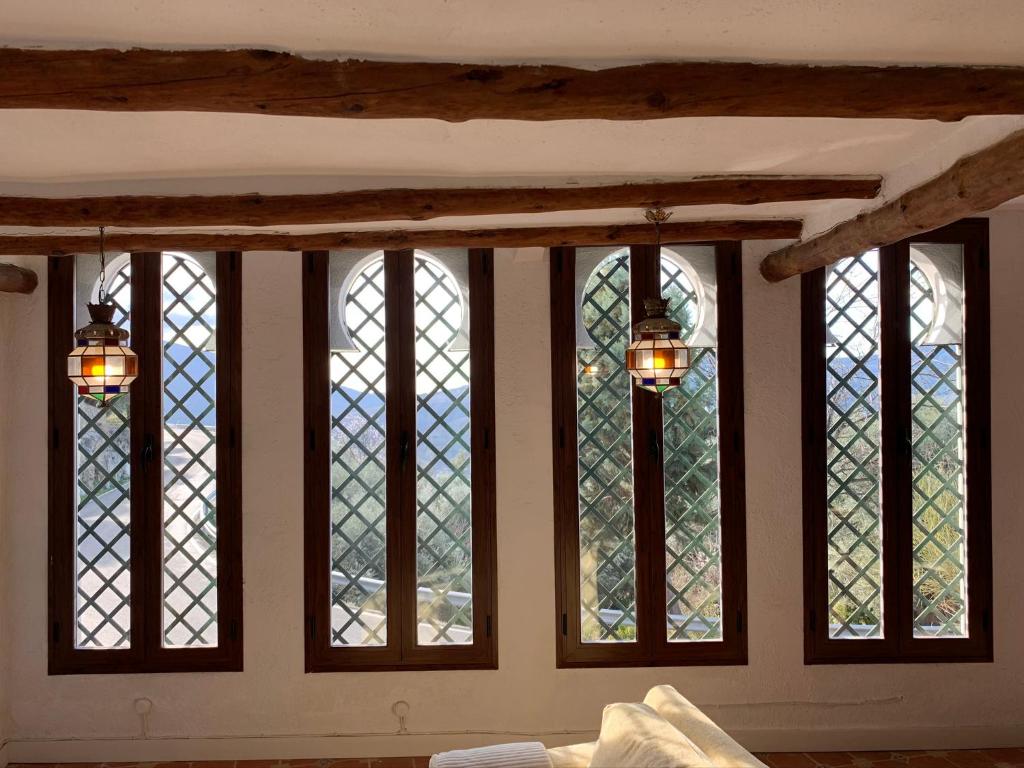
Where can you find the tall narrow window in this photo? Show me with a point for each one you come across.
(896, 456)
(400, 461)
(649, 494)
(145, 493)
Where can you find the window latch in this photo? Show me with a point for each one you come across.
(147, 450)
(653, 446)
(403, 448)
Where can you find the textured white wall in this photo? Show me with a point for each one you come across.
(273, 709)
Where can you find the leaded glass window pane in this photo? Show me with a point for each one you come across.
(605, 443)
(693, 526)
(358, 452)
(444, 532)
(103, 515)
(853, 442)
(190, 453)
(937, 439)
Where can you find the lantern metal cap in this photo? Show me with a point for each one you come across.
(101, 326)
(657, 320)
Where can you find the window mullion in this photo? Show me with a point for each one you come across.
(648, 491)
(481, 325)
(401, 450)
(147, 450)
(894, 300)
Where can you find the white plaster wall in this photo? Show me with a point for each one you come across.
(273, 709)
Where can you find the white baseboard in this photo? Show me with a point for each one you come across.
(128, 749)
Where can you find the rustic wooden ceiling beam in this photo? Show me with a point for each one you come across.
(974, 184)
(523, 237)
(273, 83)
(256, 210)
(15, 279)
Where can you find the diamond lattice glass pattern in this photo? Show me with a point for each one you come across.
(103, 516)
(604, 418)
(358, 488)
(937, 457)
(853, 431)
(693, 530)
(190, 453)
(444, 532)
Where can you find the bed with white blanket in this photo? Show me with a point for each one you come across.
(664, 731)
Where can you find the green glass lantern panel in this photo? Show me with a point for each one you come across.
(102, 513)
(189, 453)
(853, 440)
(939, 532)
(693, 525)
(605, 443)
(358, 488)
(444, 530)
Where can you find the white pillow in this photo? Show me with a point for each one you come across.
(635, 736)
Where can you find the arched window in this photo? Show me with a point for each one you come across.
(896, 452)
(145, 492)
(652, 548)
(407, 341)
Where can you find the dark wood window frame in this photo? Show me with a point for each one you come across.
(401, 652)
(146, 653)
(900, 645)
(652, 647)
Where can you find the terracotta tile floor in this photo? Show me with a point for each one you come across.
(974, 758)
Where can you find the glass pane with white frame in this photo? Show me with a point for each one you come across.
(103, 512)
(853, 448)
(607, 548)
(939, 532)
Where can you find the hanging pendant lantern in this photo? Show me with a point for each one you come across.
(657, 358)
(102, 365)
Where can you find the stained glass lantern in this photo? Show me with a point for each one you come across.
(658, 357)
(102, 365)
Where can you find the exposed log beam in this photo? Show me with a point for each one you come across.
(417, 204)
(14, 279)
(270, 83)
(974, 184)
(675, 232)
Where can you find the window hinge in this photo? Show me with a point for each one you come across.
(739, 621)
(489, 626)
(565, 624)
(813, 620)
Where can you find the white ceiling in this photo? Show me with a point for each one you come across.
(63, 153)
(579, 31)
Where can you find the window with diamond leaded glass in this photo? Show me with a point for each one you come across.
(400, 460)
(145, 493)
(896, 479)
(648, 488)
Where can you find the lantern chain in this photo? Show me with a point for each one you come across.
(103, 269)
